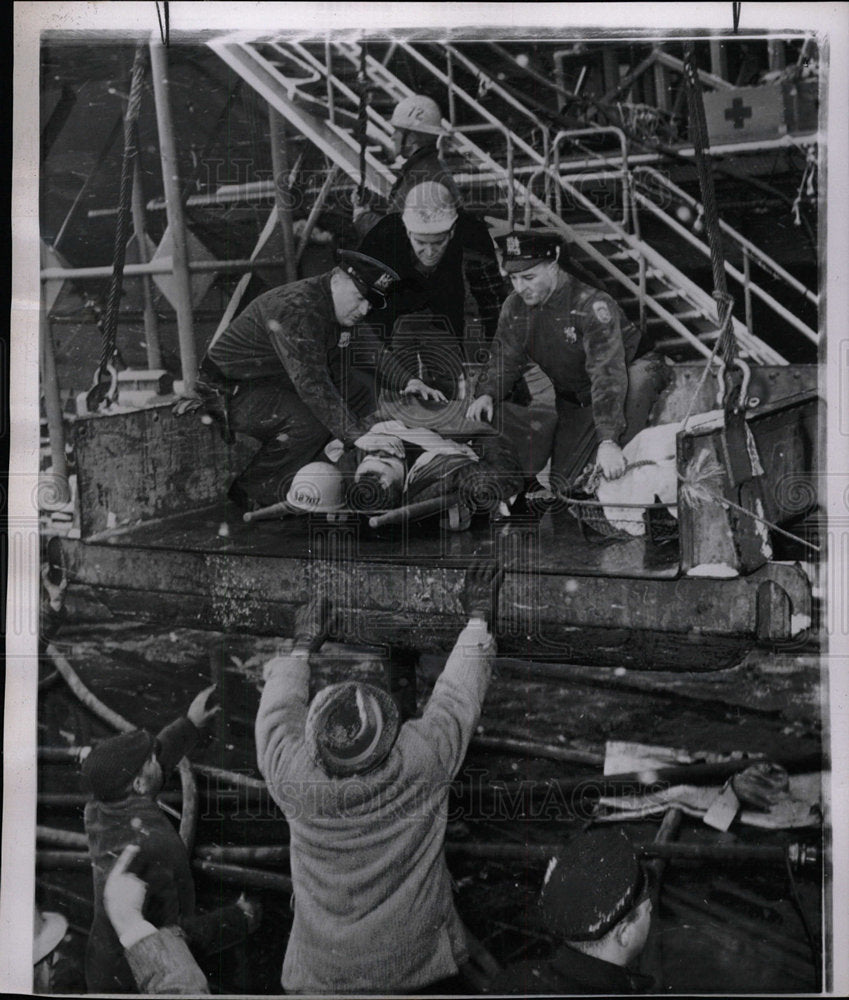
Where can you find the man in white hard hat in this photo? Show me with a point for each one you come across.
(439, 253)
(417, 122)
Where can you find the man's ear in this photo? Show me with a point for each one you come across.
(623, 932)
(139, 785)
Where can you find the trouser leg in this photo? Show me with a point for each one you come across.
(291, 437)
(647, 377)
(575, 444)
(575, 438)
(212, 932)
(530, 430)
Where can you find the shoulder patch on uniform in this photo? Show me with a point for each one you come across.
(602, 312)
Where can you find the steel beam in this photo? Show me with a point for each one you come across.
(174, 209)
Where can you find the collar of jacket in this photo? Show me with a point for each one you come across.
(424, 153)
(596, 974)
(323, 282)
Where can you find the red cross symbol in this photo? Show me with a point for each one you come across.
(737, 113)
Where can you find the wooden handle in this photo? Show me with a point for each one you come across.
(266, 513)
(413, 511)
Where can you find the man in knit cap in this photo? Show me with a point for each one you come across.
(366, 798)
(124, 775)
(595, 901)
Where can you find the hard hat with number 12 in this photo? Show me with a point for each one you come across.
(418, 114)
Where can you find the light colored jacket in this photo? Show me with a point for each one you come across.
(374, 910)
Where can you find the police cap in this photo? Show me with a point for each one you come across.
(521, 249)
(371, 276)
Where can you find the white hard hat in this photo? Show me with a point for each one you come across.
(418, 114)
(317, 488)
(429, 208)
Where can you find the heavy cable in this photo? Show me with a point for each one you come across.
(122, 229)
(699, 138)
(362, 118)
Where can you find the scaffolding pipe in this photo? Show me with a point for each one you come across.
(328, 68)
(53, 408)
(151, 323)
(316, 210)
(162, 265)
(174, 210)
(452, 104)
(282, 192)
(747, 291)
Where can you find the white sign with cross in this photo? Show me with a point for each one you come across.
(745, 114)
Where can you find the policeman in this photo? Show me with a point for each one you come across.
(437, 251)
(417, 122)
(596, 903)
(278, 373)
(605, 380)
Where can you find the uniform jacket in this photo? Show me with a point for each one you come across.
(580, 338)
(162, 963)
(468, 258)
(162, 863)
(424, 165)
(373, 899)
(568, 972)
(303, 356)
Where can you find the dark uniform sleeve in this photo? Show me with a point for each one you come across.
(177, 739)
(298, 346)
(605, 360)
(508, 356)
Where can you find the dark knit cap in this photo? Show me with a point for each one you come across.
(351, 728)
(113, 764)
(590, 886)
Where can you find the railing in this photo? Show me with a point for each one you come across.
(747, 249)
(572, 135)
(757, 349)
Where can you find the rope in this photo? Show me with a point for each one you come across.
(362, 119)
(694, 492)
(122, 228)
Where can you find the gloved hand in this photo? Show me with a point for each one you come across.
(312, 623)
(610, 460)
(761, 785)
(480, 591)
(199, 712)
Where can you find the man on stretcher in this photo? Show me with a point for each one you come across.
(415, 471)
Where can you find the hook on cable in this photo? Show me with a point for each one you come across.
(102, 393)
